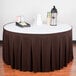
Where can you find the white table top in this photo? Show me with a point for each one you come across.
(35, 29)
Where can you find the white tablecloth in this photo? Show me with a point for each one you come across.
(35, 29)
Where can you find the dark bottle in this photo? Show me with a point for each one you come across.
(53, 16)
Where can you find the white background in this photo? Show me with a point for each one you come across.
(9, 9)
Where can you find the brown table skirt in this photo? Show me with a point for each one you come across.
(35, 52)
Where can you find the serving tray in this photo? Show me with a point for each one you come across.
(23, 24)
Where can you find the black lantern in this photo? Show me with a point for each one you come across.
(53, 16)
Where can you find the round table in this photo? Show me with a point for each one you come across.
(37, 48)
